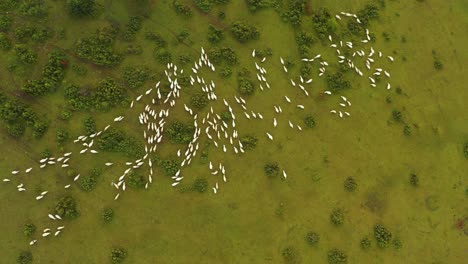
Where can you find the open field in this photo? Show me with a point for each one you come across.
(418, 127)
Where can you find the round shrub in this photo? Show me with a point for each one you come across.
(29, 229)
(198, 101)
(290, 255)
(382, 235)
(414, 180)
(366, 243)
(336, 256)
(118, 255)
(25, 257)
(337, 217)
(200, 185)
(107, 214)
(272, 169)
(309, 121)
(312, 238)
(350, 184)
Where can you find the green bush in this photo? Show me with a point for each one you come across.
(291, 255)
(465, 150)
(179, 132)
(88, 183)
(397, 244)
(135, 180)
(382, 235)
(397, 116)
(223, 55)
(312, 238)
(181, 8)
(24, 54)
(5, 23)
(169, 167)
(66, 207)
(337, 217)
(256, 5)
(107, 214)
(32, 8)
(136, 76)
(350, 184)
(365, 243)
(293, 14)
(89, 125)
(214, 35)
(200, 185)
(198, 101)
(244, 32)
(248, 142)
(29, 229)
(62, 136)
(5, 42)
(98, 48)
(406, 130)
(162, 55)
(414, 180)
(39, 129)
(25, 257)
(204, 5)
(114, 140)
(336, 256)
(438, 64)
(118, 255)
(271, 169)
(336, 82)
(108, 94)
(81, 8)
(245, 86)
(309, 121)
(323, 24)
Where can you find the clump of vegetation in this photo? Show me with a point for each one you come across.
(397, 116)
(32, 8)
(25, 257)
(290, 255)
(248, 142)
(179, 132)
(245, 86)
(29, 229)
(24, 54)
(169, 167)
(81, 8)
(465, 149)
(108, 94)
(133, 26)
(162, 55)
(118, 255)
(309, 121)
(382, 235)
(368, 13)
(223, 55)
(350, 184)
(66, 207)
(271, 169)
(336, 82)
(414, 180)
(136, 76)
(114, 140)
(438, 65)
(215, 35)
(52, 75)
(198, 101)
(89, 125)
(407, 130)
(62, 136)
(244, 32)
(337, 216)
(5, 42)
(182, 9)
(88, 183)
(200, 185)
(256, 5)
(107, 214)
(312, 238)
(366, 243)
(98, 48)
(397, 244)
(136, 180)
(5, 23)
(323, 23)
(336, 256)
(293, 12)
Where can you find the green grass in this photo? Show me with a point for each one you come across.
(240, 224)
